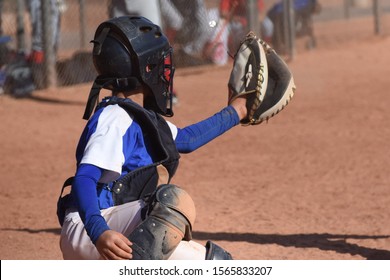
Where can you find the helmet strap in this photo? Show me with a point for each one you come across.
(114, 84)
(93, 99)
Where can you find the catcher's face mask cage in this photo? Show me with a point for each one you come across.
(158, 76)
(129, 52)
(167, 77)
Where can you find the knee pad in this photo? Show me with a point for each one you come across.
(169, 216)
(215, 252)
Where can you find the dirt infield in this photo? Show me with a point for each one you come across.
(312, 183)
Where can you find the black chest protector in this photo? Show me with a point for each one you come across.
(141, 182)
(160, 144)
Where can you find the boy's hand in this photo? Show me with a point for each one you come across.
(113, 245)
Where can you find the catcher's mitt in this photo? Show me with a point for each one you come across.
(262, 75)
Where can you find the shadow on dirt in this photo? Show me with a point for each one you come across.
(54, 100)
(56, 231)
(325, 242)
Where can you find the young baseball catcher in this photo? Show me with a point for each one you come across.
(122, 204)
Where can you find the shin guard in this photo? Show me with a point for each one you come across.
(170, 214)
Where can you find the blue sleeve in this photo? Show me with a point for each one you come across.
(84, 192)
(192, 137)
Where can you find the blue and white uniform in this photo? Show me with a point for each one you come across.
(110, 146)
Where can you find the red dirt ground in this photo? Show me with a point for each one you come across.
(312, 183)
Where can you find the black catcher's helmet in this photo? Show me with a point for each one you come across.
(129, 52)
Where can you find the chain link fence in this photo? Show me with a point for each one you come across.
(205, 34)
